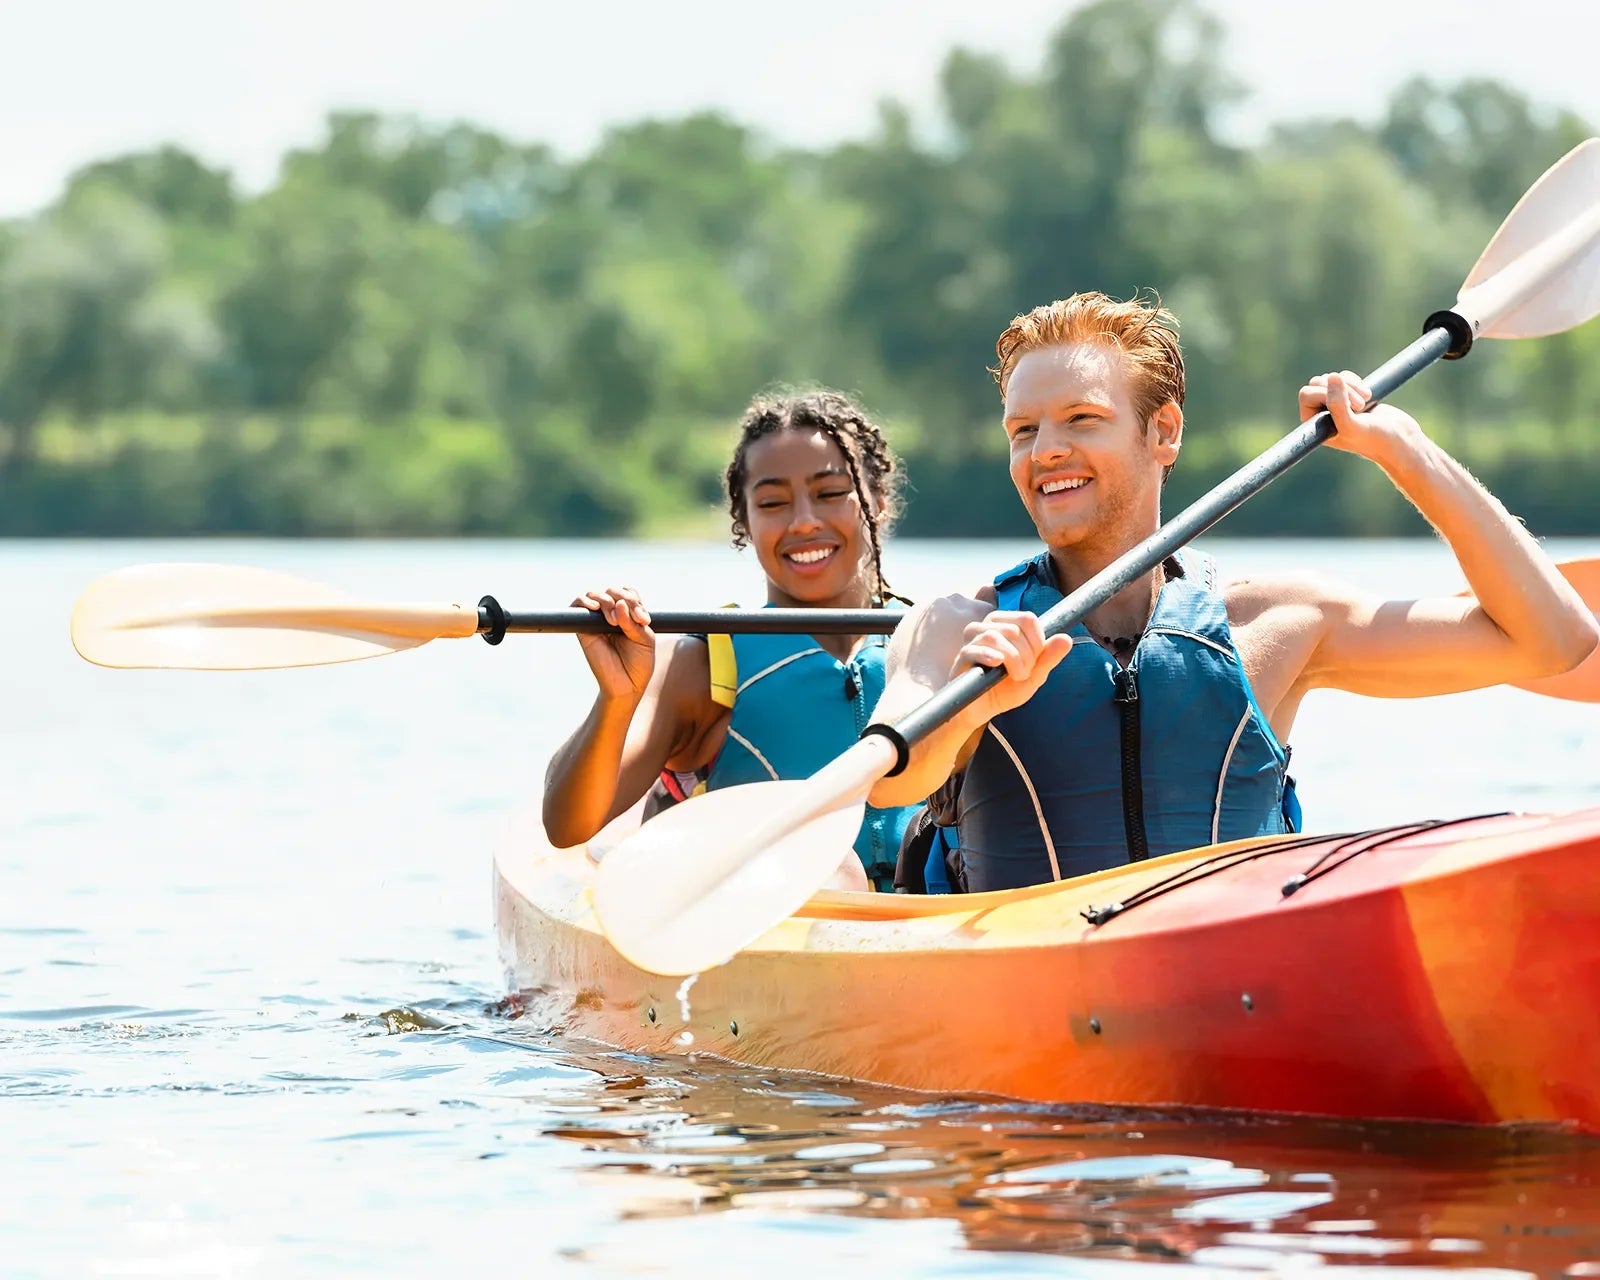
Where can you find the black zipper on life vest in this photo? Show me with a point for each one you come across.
(1126, 696)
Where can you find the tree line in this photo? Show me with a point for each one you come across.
(433, 329)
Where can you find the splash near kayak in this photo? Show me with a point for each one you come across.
(1443, 971)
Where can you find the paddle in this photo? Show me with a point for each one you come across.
(704, 879)
(219, 617)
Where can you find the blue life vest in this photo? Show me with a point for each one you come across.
(1105, 765)
(795, 708)
(936, 870)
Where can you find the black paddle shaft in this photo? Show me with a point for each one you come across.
(1447, 334)
(495, 623)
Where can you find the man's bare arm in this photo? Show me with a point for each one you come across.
(1523, 619)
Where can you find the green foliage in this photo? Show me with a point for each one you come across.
(433, 329)
(170, 182)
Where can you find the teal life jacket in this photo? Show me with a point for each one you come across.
(1106, 765)
(795, 707)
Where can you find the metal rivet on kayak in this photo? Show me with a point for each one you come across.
(1249, 1004)
(1094, 1025)
(733, 1027)
(652, 1014)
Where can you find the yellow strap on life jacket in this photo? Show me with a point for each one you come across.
(724, 667)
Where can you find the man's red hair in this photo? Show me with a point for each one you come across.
(1146, 334)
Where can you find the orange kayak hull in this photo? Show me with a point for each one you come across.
(1449, 973)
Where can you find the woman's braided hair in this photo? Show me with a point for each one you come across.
(873, 470)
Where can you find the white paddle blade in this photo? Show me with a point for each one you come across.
(708, 877)
(218, 617)
(1541, 272)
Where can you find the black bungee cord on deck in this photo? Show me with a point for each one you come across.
(1349, 845)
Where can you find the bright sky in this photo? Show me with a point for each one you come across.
(240, 81)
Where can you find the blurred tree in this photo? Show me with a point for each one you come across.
(292, 305)
(414, 169)
(1477, 140)
(87, 326)
(169, 181)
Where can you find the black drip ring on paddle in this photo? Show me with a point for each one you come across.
(491, 620)
(1457, 326)
(902, 748)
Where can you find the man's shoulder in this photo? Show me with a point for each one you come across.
(1252, 597)
(1278, 620)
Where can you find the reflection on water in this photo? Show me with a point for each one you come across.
(698, 1138)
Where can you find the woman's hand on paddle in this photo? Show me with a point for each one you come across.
(1372, 433)
(622, 661)
(1015, 641)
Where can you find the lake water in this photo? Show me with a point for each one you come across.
(252, 1022)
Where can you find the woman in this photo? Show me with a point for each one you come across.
(812, 488)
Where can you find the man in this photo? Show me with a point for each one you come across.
(1160, 723)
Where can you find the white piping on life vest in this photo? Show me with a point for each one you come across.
(1222, 778)
(1190, 635)
(1038, 810)
(767, 671)
(750, 747)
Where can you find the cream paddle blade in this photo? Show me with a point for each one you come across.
(672, 906)
(219, 617)
(1541, 272)
(1537, 276)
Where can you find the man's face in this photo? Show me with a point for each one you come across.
(1083, 463)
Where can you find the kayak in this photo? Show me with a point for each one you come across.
(1440, 971)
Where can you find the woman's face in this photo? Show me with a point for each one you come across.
(806, 522)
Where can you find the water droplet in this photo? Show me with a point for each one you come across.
(683, 995)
